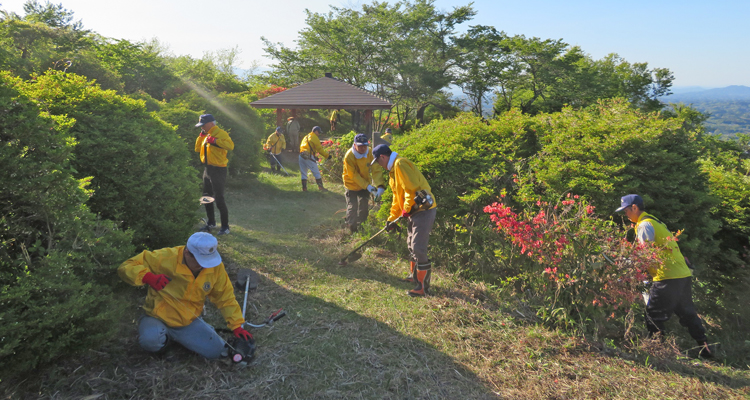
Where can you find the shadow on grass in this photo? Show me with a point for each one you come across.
(320, 351)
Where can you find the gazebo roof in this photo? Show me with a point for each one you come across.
(324, 93)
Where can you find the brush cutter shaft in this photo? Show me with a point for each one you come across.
(279, 162)
(368, 240)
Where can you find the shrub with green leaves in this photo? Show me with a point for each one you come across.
(138, 166)
(56, 257)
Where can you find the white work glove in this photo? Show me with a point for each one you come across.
(379, 193)
(371, 189)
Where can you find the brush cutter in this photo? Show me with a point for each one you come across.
(354, 255)
(279, 162)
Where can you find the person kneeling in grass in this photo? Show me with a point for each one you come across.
(180, 278)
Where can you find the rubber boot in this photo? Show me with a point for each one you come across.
(304, 185)
(410, 277)
(320, 185)
(423, 273)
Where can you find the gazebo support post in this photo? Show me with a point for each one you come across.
(278, 116)
(368, 125)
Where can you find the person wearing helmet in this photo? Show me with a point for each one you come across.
(360, 180)
(179, 279)
(309, 150)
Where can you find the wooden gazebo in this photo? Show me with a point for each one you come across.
(325, 93)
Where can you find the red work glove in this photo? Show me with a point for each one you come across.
(156, 281)
(203, 133)
(211, 140)
(405, 214)
(241, 333)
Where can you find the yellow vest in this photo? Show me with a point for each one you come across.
(674, 266)
(181, 301)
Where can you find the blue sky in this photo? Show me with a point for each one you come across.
(703, 43)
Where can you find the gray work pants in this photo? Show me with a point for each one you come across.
(418, 234)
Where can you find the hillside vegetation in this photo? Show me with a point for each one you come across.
(98, 163)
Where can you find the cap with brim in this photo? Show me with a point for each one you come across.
(380, 150)
(204, 119)
(204, 248)
(361, 139)
(629, 200)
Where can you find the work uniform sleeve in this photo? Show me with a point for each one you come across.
(317, 147)
(351, 172)
(645, 232)
(269, 142)
(134, 269)
(222, 296)
(199, 143)
(407, 176)
(222, 138)
(377, 175)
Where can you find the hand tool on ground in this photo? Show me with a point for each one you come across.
(354, 255)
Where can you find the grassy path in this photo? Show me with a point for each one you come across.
(351, 332)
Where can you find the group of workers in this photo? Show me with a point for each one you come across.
(180, 278)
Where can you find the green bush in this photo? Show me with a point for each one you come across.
(56, 257)
(468, 163)
(139, 167)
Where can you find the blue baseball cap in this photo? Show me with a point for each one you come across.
(278, 129)
(361, 138)
(316, 129)
(629, 200)
(204, 119)
(388, 130)
(380, 150)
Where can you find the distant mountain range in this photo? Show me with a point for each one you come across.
(728, 107)
(729, 93)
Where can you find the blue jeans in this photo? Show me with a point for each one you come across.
(198, 336)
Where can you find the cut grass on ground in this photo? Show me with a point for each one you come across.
(352, 333)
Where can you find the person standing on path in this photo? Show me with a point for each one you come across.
(212, 145)
(180, 279)
(671, 290)
(274, 145)
(413, 201)
(308, 160)
(357, 177)
(334, 119)
(292, 129)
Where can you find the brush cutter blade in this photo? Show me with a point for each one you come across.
(354, 257)
(206, 200)
(242, 276)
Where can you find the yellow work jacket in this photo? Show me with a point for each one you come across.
(356, 175)
(405, 181)
(311, 145)
(387, 137)
(217, 153)
(275, 143)
(213, 283)
(674, 266)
